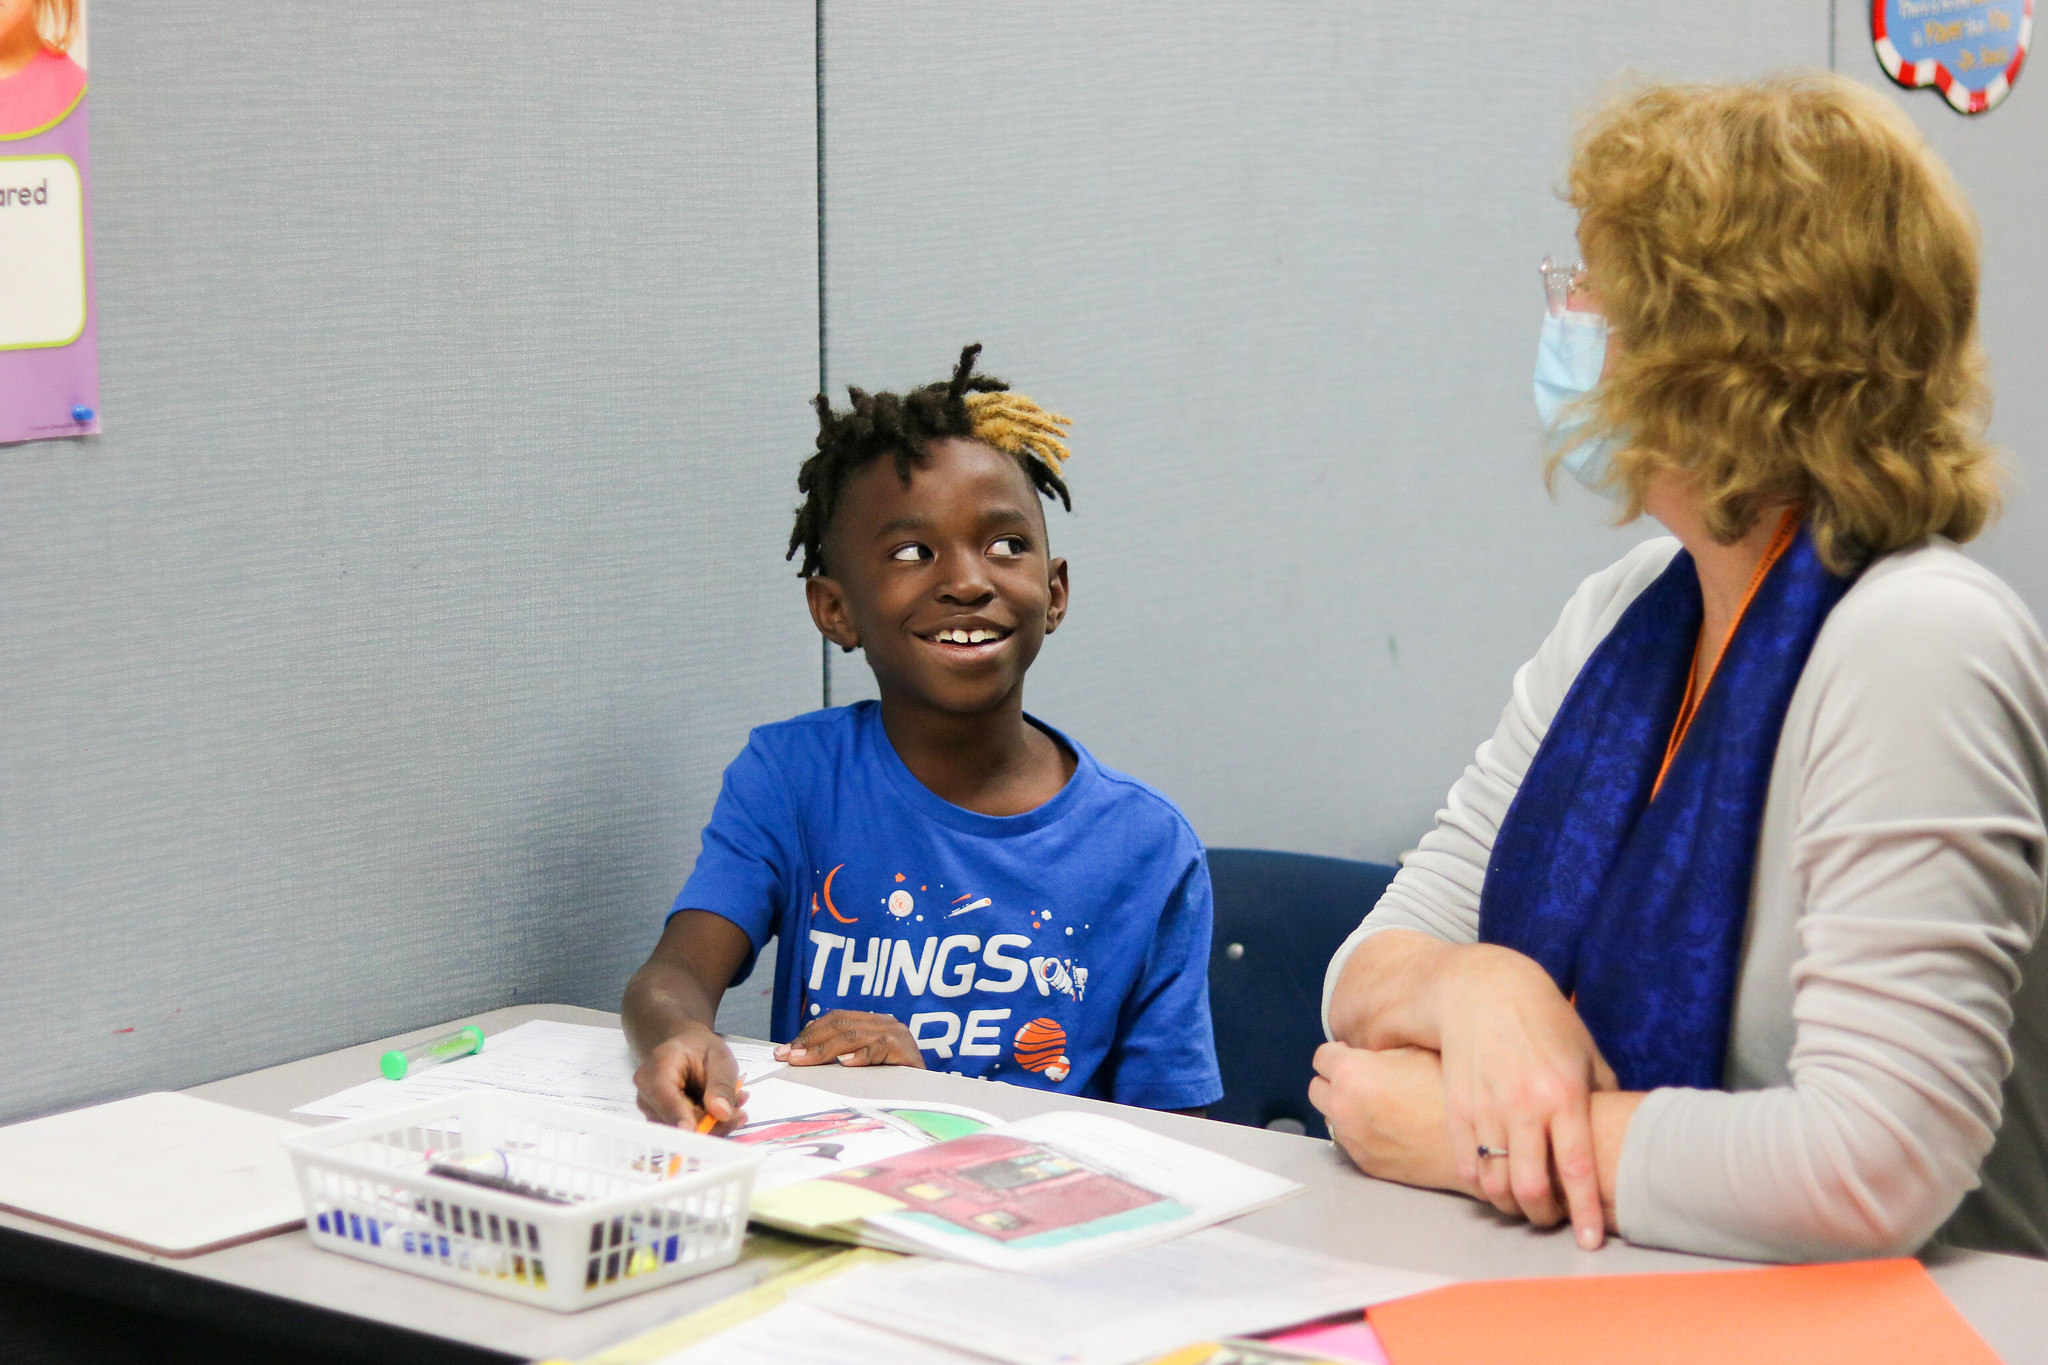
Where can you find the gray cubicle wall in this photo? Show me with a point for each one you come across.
(379, 663)
(1278, 262)
(2001, 159)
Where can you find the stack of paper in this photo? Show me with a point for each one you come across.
(1112, 1311)
(1046, 1191)
(1216, 1283)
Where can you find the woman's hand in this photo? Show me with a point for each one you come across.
(852, 1038)
(1386, 1110)
(1519, 1069)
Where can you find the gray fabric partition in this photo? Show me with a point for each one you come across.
(379, 664)
(2001, 159)
(1278, 262)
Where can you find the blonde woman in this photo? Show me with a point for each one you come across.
(39, 83)
(1716, 943)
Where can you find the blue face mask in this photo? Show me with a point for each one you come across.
(1569, 356)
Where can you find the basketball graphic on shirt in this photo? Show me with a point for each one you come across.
(1042, 1046)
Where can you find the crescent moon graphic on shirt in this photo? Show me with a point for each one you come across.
(830, 908)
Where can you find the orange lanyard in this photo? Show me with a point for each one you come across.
(1695, 688)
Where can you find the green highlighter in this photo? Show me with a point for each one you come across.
(399, 1063)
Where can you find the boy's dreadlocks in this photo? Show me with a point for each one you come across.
(974, 406)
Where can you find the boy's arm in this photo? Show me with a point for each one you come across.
(686, 1070)
(743, 868)
(1165, 1053)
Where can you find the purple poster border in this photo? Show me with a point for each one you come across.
(54, 391)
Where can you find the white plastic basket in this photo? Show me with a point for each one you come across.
(648, 1204)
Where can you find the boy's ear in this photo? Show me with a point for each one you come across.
(830, 611)
(1056, 602)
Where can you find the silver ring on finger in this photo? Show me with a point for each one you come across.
(1486, 1152)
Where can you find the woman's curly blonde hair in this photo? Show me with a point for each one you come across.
(1791, 277)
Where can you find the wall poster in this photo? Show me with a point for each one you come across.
(1969, 50)
(49, 333)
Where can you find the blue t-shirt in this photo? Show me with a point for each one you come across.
(1066, 948)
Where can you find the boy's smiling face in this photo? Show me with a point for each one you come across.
(945, 581)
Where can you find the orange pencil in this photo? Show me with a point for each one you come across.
(707, 1123)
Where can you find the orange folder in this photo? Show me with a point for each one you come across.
(1857, 1313)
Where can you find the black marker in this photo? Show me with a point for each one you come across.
(503, 1184)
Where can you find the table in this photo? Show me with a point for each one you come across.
(331, 1307)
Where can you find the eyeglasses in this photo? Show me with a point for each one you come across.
(1560, 283)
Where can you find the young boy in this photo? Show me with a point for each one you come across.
(953, 882)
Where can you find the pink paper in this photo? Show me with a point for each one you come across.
(1339, 1340)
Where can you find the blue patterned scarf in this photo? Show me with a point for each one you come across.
(1636, 907)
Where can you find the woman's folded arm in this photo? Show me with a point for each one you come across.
(1920, 850)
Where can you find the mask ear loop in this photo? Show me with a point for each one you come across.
(1560, 282)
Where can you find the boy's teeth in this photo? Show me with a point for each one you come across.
(966, 637)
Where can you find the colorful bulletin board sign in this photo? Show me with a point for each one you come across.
(49, 324)
(1970, 50)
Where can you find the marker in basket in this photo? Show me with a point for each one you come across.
(399, 1063)
(504, 1184)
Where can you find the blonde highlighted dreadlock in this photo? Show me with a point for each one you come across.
(973, 406)
(1015, 425)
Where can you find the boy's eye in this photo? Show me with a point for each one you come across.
(911, 553)
(1009, 547)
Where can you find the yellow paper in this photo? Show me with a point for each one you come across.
(1197, 1354)
(818, 1206)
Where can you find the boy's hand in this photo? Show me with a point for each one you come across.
(689, 1076)
(852, 1038)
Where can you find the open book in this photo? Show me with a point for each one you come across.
(1044, 1191)
(807, 1133)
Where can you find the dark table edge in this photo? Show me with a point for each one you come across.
(164, 1290)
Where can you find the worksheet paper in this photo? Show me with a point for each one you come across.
(576, 1064)
(1115, 1309)
(798, 1334)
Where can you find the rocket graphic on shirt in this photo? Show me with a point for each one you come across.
(972, 979)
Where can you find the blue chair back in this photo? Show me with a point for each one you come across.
(1279, 920)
